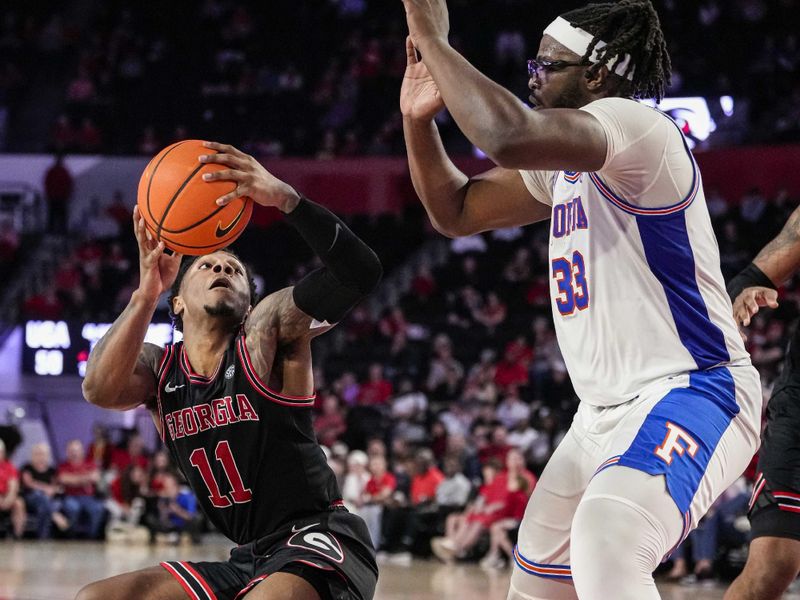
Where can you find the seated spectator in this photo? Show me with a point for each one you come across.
(329, 425)
(79, 477)
(132, 454)
(512, 410)
(40, 489)
(355, 480)
(100, 447)
(401, 517)
(175, 513)
(11, 503)
(499, 532)
(159, 468)
(126, 503)
(492, 314)
(453, 492)
(377, 494)
(498, 445)
(377, 390)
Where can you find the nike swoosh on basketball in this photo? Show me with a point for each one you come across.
(295, 529)
(223, 231)
(169, 388)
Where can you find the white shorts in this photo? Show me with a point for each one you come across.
(700, 430)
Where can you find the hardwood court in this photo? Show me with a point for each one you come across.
(57, 570)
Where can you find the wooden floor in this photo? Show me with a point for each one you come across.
(57, 570)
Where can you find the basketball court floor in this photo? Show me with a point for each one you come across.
(57, 570)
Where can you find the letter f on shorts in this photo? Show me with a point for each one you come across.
(674, 442)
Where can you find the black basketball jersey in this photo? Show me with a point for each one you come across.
(249, 453)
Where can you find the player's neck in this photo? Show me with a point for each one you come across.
(205, 347)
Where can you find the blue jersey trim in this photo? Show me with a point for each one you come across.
(704, 410)
(626, 206)
(669, 254)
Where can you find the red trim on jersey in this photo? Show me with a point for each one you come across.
(195, 377)
(203, 583)
(786, 495)
(262, 388)
(181, 580)
(789, 508)
(166, 361)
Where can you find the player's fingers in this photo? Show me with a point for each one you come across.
(156, 252)
(230, 197)
(225, 175)
(225, 148)
(770, 298)
(411, 52)
(222, 158)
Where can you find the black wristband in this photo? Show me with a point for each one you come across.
(750, 276)
(352, 269)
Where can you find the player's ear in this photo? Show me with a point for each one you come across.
(177, 306)
(597, 79)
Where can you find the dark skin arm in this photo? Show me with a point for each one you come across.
(779, 260)
(457, 205)
(491, 117)
(121, 371)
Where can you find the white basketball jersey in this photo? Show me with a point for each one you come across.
(636, 287)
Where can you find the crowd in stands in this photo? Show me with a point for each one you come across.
(122, 493)
(322, 78)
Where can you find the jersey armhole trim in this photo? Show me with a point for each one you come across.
(626, 206)
(262, 388)
(166, 361)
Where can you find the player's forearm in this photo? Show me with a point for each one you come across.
(488, 114)
(113, 359)
(439, 184)
(780, 259)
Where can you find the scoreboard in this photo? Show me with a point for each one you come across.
(53, 348)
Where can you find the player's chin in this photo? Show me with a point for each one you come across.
(223, 308)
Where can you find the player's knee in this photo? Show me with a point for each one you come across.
(93, 591)
(613, 536)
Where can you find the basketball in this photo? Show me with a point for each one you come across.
(180, 208)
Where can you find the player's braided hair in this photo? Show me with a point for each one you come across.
(186, 264)
(628, 27)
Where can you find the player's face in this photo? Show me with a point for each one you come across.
(216, 285)
(555, 85)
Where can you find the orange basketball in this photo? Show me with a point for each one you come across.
(179, 208)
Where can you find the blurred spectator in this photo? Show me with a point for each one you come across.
(126, 504)
(79, 476)
(175, 513)
(58, 187)
(377, 390)
(132, 454)
(331, 423)
(12, 506)
(453, 492)
(40, 489)
(377, 493)
(355, 480)
(100, 447)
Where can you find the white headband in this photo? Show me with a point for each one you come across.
(578, 41)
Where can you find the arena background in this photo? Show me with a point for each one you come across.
(455, 352)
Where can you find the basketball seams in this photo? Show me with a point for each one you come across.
(152, 175)
(175, 196)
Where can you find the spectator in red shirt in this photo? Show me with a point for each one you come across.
(79, 477)
(378, 492)
(377, 390)
(11, 503)
(513, 369)
(497, 447)
(58, 191)
(132, 454)
(426, 478)
(330, 424)
(44, 305)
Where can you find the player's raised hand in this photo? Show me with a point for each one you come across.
(252, 179)
(157, 270)
(751, 300)
(427, 19)
(419, 95)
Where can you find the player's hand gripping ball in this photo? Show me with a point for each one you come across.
(181, 209)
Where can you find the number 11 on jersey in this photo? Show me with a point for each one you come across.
(573, 286)
(239, 494)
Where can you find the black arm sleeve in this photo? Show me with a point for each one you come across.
(750, 276)
(352, 269)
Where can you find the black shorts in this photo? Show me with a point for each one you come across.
(332, 551)
(775, 505)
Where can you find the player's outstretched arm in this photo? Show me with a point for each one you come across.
(755, 286)
(493, 118)
(121, 371)
(456, 204)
